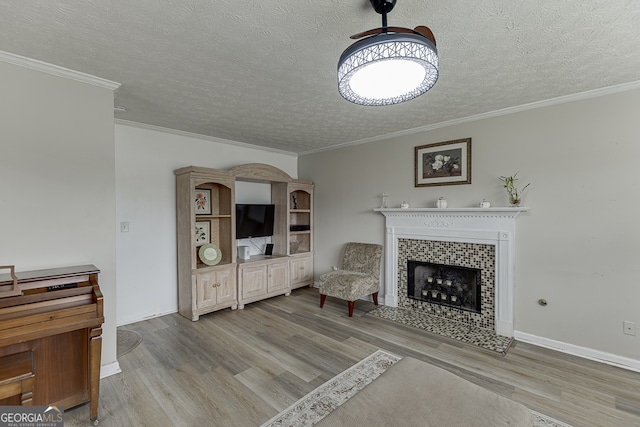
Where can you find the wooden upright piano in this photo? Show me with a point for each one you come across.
(51, 337)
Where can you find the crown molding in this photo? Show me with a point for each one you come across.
(56, 70)
(502, 112)
(202, 137)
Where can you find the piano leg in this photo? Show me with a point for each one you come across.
(95, 353)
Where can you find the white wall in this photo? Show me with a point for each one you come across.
(254, 192)
(578, 247)
(145, 198)
(57, 180)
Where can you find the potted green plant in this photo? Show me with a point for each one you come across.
(515, 194)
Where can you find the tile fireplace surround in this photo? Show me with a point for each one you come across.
(495, 227)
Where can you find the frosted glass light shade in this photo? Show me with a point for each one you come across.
(387, 69)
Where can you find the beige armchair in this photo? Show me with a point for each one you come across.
(359, 276)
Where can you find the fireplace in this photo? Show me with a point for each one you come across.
(447, 261)
(475, 238)
(450, 286)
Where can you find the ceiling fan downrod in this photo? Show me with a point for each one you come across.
(383, 7)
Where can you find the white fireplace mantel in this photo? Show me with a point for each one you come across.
(483, 212)
(495, 226)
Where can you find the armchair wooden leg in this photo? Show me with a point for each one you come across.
(322, 298)
(351, 305)
(375, 298)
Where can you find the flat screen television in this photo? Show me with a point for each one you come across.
(254, 220)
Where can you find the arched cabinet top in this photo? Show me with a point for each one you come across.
(259, 172)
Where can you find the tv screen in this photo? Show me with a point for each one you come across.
(254, 220)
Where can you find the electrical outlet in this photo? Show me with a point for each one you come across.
(124, 227)
(629, 328)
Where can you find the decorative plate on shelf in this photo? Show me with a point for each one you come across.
(210, 254)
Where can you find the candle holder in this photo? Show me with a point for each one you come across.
(383, 202)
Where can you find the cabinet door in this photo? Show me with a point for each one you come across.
(226, 289)
(216, 287)
(278, 276)
(301, 269)
(254, 281)
(206, 290)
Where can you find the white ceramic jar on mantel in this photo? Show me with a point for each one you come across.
(441, 203)
(485, 204)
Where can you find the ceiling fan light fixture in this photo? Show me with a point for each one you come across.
(386, 69)
(391, 65)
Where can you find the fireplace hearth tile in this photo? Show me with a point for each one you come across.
(469, 334)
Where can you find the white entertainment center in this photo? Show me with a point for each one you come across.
(206, 219)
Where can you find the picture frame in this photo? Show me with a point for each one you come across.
(202, 233)
(203, 201)
(443, 163)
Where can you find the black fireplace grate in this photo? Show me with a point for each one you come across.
(446, 285)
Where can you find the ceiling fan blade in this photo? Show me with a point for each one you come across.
(381, 30)
(425, 31)
(421, 29)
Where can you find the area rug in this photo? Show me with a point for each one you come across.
(484, 338)
(126, 340)
(313, 407)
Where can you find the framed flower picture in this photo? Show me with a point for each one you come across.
(203, 202)
(443, 163)
(203, 232)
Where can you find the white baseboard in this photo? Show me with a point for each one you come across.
(124, 322)
(110, 369)
(576, 350)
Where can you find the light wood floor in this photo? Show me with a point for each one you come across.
(240, 368)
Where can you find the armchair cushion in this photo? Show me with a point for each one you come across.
(348, 285)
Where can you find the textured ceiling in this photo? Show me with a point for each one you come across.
(264, 72)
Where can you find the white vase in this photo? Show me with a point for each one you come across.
(441, 203)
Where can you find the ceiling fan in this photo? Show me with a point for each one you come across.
(388, 65)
